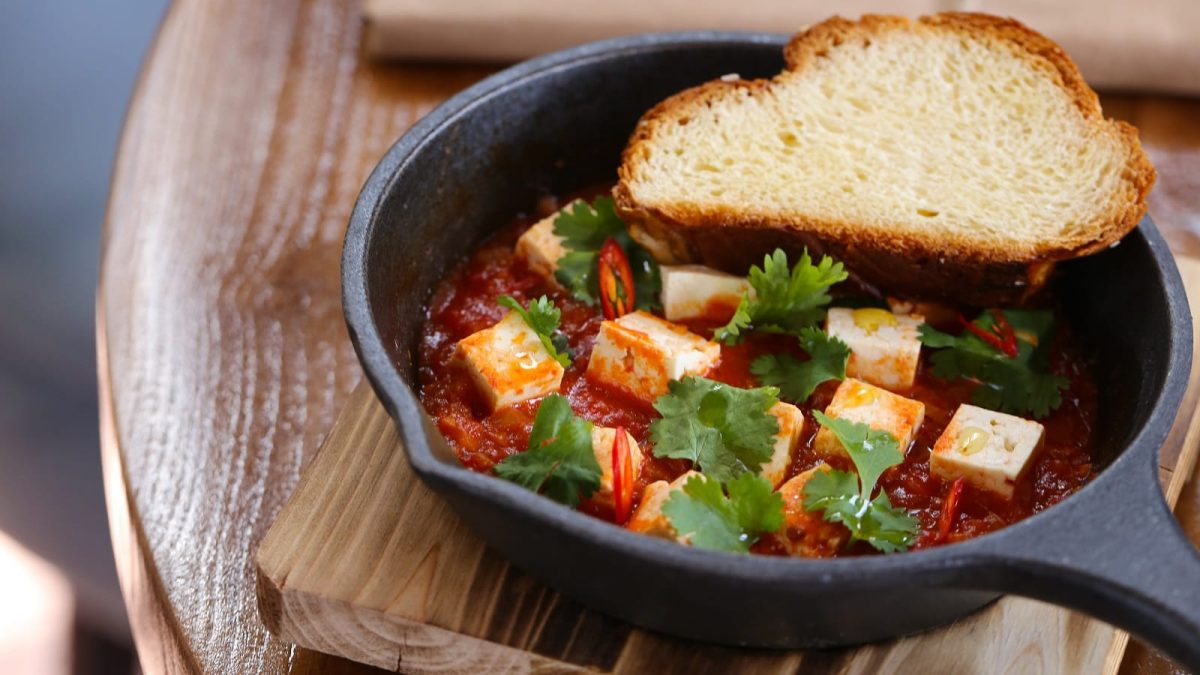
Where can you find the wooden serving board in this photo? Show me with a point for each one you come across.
(367, 563)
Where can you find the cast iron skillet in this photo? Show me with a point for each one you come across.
(558, 123)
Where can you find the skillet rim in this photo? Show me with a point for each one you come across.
(865, 572)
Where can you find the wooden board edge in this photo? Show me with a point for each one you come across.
(272, 553)
(371, 636)
(388, 641)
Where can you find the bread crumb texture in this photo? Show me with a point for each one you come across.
(957, 134)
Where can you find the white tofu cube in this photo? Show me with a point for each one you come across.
(880, 409)
(991, 450)
(692, 292)
(791, 425)
(602, 444)
(640, 353)
(509, 363)
(541, 248)
(649, 518)
(885, 347)
(806, 533)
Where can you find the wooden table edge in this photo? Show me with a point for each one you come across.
(152, 621)
(132, 553)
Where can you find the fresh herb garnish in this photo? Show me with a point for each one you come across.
(1013, 384)
(724, 430)
(786, 300)
(796, 379)
(707, 518)
(542, 317)
(846, 498)
(584, 228)
(559, 462)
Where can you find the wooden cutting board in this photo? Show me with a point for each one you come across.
(367, 563)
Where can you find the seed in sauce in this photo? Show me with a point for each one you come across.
(872, 319)
(861, 395)
(973, 440)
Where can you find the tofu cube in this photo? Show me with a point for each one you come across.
(602, 443)
(878, 408)
(640, 353)
(885, 347)
(692, 292)
(991, 450)
(649, 518)
(806, 533)
(791, 425)
(541, 248)
(508, 363)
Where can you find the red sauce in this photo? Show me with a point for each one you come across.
(465, 302)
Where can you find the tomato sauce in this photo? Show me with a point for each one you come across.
(465, 302)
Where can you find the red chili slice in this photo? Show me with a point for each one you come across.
(1001, 336)
(622, 471)
(1007, 333)
(949, 509)
(616, 280)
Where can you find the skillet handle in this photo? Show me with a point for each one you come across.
(1117, 554)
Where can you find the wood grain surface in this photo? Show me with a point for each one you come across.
(223, 355)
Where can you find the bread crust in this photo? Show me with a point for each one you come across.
(900, 262)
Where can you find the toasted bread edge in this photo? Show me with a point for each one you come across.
(1011, 278)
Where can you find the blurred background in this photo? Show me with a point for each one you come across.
(67, 69)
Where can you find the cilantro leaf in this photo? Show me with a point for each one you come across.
(796, 379)
(725, 430)
(759, 508)
(647, 280)
(785, 300)
(873, 451)
(1023, 384)
(542, 317)
(577, 273)
(559, 461)
(835, 493)
(890, 528)
(584, 228)
(708, 519)
(846, 498)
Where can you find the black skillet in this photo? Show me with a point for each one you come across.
(558, 123)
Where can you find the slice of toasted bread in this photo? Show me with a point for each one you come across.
(956, 156)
